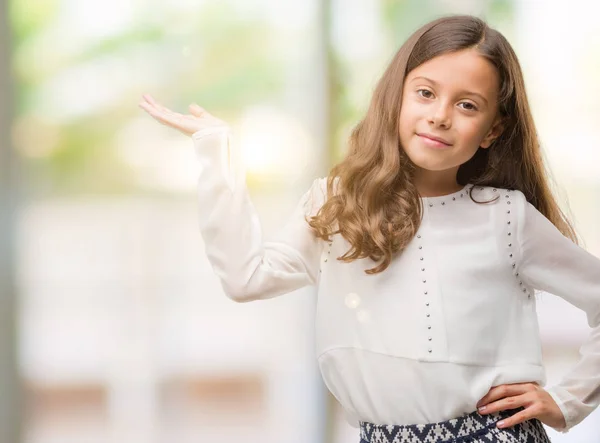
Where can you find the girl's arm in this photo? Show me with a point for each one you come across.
(551, 262)
(248, 267)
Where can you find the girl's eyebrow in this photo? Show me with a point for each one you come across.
(461, 92)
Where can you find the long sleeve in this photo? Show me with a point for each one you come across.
(551, 262)
(249, 267)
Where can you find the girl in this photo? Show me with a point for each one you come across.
(442, 226)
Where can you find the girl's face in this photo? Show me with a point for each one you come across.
(452, 98)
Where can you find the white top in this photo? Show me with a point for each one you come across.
(452, 316)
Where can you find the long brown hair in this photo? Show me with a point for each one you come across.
(371, 195)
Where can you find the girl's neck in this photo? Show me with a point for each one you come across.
(435, 184)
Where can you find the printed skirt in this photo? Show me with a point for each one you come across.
(470, 428)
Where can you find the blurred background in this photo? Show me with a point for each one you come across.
(113, 327)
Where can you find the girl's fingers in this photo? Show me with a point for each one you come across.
(162, 116)
(506, 390)
(150, 100)
(519, 417)
(184, 123)
(154, 103)
(197, 110)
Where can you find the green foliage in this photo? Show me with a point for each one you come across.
(221, 60)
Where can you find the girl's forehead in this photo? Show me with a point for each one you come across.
(464, 69)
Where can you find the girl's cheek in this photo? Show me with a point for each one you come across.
(412, 106)
(472, 130)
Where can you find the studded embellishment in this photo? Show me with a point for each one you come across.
(510, 254)
(443, 202)
(425, 292)
(328, 252)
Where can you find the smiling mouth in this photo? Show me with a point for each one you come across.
(433, 142)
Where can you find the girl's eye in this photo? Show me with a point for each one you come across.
(426, 93)
(471, 106)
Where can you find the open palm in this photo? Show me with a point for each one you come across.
(186, 123)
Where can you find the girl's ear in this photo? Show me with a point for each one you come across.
(493, 133)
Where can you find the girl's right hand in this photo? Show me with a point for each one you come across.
(187, 124)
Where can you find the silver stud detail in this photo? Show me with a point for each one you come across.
(508, 222)
(430, 351)
(428, 327)
(443, 203)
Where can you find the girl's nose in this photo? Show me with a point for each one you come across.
(441, 117)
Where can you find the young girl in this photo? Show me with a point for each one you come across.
(427, 244)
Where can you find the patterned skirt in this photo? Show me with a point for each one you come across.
(470, 428)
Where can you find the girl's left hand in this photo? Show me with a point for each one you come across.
(188, 124)
(536, 401)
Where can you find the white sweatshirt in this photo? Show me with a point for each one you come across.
(451, 317)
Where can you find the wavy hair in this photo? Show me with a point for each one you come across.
(375, 204)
